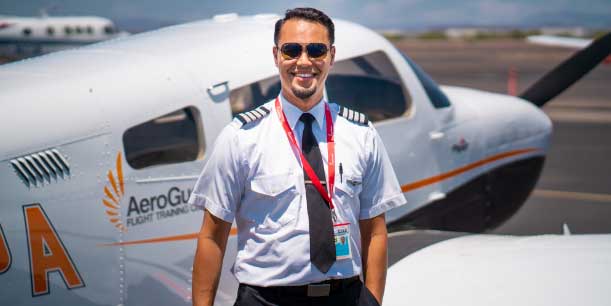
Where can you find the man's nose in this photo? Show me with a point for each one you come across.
(303, 59)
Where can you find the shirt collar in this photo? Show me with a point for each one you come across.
(293, 113)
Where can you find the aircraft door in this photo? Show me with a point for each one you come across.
(163, 157)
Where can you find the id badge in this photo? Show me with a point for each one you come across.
(342, 241)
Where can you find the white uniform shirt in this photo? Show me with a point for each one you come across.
(253, 175)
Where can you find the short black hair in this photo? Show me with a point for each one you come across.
(309, 14)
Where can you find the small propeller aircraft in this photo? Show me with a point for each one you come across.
(29, 36)
(102, 144)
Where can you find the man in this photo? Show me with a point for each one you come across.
(299, 175)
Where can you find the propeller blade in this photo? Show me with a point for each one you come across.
(569, 72)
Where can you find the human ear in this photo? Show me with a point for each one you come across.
(332, 51)
(275, 51)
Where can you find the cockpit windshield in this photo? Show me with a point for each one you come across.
(437, 97)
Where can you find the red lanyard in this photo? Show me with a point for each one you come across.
(306, 166)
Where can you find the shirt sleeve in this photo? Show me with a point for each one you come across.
(381, 190)
(220, 184)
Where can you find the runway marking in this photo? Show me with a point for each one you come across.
(572, 195)
(579, 104)
(579, 116)
(582, 104)
(427, 232)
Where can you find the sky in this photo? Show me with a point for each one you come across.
(381, 14)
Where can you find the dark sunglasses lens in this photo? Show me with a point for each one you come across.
(291, 50)
(317, 50)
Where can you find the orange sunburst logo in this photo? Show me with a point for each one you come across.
(114, 191)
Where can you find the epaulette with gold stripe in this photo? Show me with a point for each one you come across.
(253, 115)
(353, 116)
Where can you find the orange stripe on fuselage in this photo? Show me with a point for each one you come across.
(455, 172)
(404, 188)
(232, 232)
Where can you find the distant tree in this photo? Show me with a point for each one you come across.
(433, 35)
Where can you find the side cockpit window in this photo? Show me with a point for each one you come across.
(369, 84)
(172, 138)
(253, 95)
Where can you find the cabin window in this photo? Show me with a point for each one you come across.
(369, 84)
(27, 32)
(89, 30)
(172, 138)
(68, 30)
(50, 31)
(78, 30)
(109, 30)
(253, 95)
(437, 97)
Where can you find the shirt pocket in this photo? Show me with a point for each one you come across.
(275, 202)
(350, 186)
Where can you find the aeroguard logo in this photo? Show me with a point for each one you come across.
(168, 203)
(114, 191)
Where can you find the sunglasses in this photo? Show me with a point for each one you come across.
(316, 51)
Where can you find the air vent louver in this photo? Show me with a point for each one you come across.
(37, 168)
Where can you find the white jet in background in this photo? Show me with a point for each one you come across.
(29, 36)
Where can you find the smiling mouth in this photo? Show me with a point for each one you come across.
(303, 75)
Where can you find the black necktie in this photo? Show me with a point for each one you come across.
(322, 246)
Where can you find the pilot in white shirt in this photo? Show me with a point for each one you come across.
(252, 175)
(305, 189)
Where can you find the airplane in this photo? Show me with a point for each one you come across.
(102, 145)
(483, 269)
(30, 36)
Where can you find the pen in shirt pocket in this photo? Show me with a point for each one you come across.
(341, 172)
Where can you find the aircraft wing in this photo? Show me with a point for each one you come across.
(505, 270)
(558, 41)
